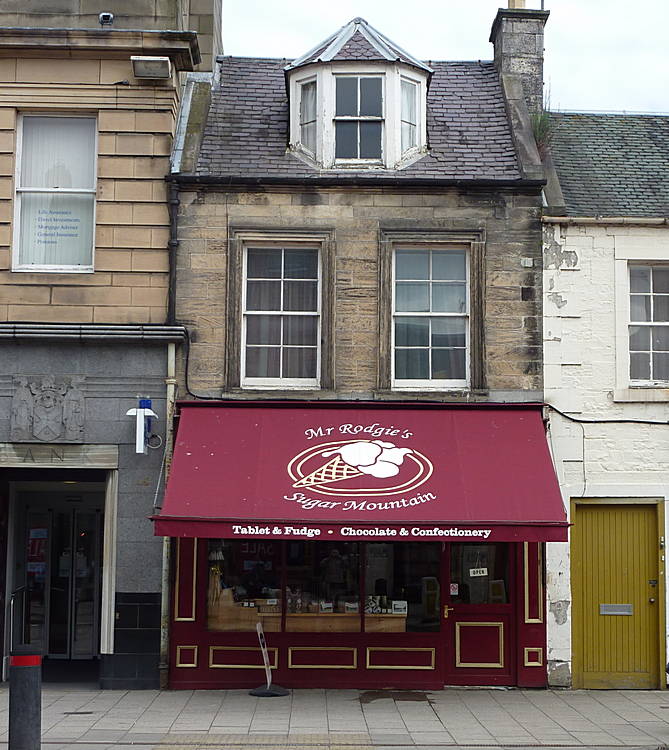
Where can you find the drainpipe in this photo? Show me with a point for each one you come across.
(172, 245)
(171, 388)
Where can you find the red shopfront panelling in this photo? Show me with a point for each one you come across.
(531, 596)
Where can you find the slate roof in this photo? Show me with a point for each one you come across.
(357, 40)
(612, 165)
(246, 133)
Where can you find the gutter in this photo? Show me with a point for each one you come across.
(225, 181)
(92, 332)
(639, 221)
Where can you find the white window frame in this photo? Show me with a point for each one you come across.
(18, 190)
(301, 84)
(431, 384)
(652, 382)
(391, 136)
(281, 383)
(359, 161)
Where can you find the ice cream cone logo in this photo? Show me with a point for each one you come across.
(391, 469)
(333, 471)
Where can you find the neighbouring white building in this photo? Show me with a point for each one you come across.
(606, 349)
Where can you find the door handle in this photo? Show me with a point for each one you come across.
(651, 600)
(447, 609)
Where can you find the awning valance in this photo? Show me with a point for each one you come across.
(363, 472)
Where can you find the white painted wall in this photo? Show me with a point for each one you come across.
(586, 376)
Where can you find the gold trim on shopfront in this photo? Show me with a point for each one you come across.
(354, 651)
(538, 661)
(369, 665)
(176, 583)
(212, 649)
(492, 665)
(526, 583)
(180, 663)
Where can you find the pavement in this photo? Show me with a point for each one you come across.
(85, 718)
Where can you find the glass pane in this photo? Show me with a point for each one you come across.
(263, 329)
(299, 362)
(449, 298)
(448, 265)
(346, 140)
(263, 295)
(300, 295)
(370, 97)
(300, 331)
(661, 366)
(639, 279)
(639, 307)
(84, 631)
(448, 332)
(300, 264)
(263, 264)
(412, 264)
(322, 580)
(370, 140)
(409, 102)
(244, 585)
(660, 339)
(640, 366)
(661, 280)
(480, 573)
(61, 581)
(412, 297)
(448, 364)
(58, 152)
(36, 580)
(412, 364)
(639, 338)
(412, 332)
(660, 308)
(408, 136)
(56, 229)
(308, 136)
(402, 587)
(308, 102)
(262, 362)
(347, 96)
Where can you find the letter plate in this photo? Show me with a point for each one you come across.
(616, 609)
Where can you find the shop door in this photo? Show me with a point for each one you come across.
(56, 600)
(616, 596)
(478, 616)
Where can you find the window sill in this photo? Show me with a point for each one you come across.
(642, 393)
(53, 269)
(283, 386)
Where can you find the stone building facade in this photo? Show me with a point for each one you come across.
(606, 247)
(84, 333)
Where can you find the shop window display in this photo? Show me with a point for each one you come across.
(321, 587)
(402, 587)
(244, 585)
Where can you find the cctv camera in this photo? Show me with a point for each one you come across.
(106, 19)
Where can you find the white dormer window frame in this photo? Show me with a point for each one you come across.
(394, 117)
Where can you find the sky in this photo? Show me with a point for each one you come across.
(601, 55)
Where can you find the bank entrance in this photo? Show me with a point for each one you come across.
(54, 574)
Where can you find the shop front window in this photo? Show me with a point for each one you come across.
(480, 573)
(322, 587)
(244, 585)
(346, 587)
(402, 587)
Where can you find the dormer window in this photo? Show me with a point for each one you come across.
(358, 117)
(358, 101)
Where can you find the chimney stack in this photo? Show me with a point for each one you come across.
(518, 38)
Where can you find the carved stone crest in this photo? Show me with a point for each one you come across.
(48, 410)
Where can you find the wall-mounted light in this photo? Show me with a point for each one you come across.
(150, 67)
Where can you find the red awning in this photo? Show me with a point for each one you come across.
(395, 472)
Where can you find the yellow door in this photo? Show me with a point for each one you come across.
(616, 591)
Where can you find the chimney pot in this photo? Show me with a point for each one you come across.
(516, 4)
